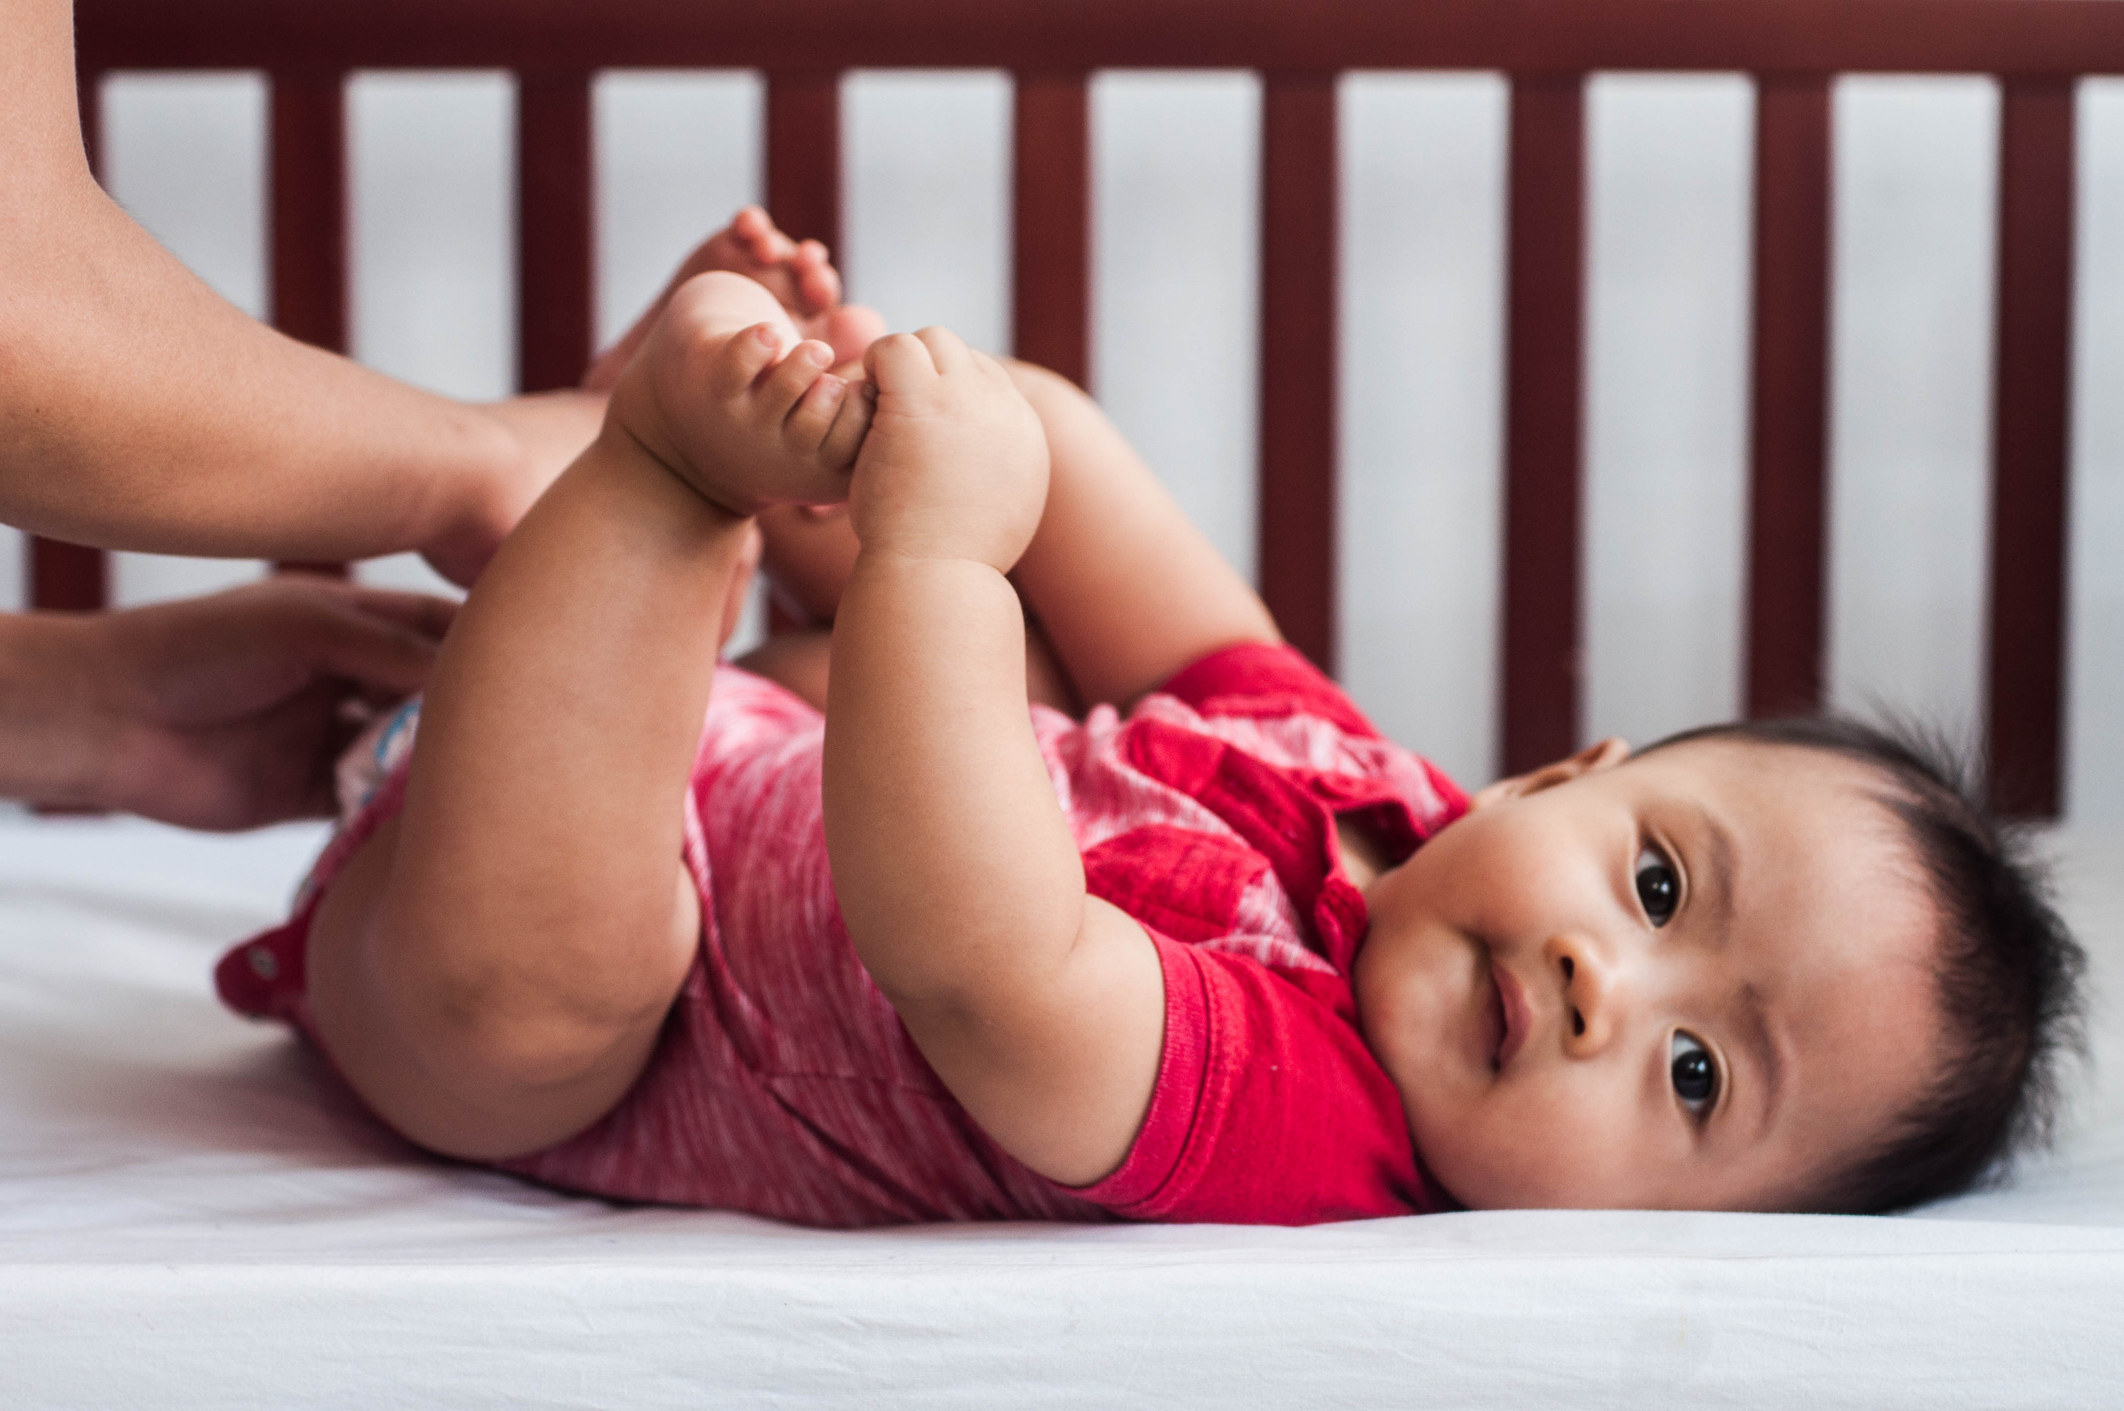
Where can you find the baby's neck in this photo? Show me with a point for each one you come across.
(1362, 859)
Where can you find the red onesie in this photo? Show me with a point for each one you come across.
(784, 1084)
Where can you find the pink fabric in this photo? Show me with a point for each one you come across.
(785, 1085)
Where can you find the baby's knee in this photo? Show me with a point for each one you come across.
(1041, 386)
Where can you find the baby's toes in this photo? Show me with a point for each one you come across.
(759, 237)
(792, 377)
(851, 423)
(816, 282)
(850, 329)
(734, 366)
(812, 417)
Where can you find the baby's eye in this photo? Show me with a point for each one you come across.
(1658, 889)
(1695, 1074)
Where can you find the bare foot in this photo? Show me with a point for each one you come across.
(798, 273)
(730, 396)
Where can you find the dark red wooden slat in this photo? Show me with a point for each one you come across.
(2032, 372)
(67, 577)
(1299, 202)
(308, 199)
(1051, 224)
(307, 202)
(61, 576)
(1789, 438)
(804, 154)
(1524, 36)
(554, 254)
(1545, 315)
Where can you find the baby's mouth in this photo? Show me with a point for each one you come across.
(1509, 1015)
(1495, 1032)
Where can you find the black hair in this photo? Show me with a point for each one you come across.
(2007, 972)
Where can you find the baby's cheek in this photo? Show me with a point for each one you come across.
(1534, 1145)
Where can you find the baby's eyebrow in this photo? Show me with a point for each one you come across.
(1753, 1021)
(1724, 870)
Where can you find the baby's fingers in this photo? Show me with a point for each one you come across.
(899, 362)
(946, 349)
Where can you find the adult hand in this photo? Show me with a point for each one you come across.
(222, 712)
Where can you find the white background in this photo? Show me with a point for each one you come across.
(1175, 156)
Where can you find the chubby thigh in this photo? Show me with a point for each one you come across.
(453, 1070)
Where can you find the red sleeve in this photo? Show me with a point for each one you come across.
(1258, 680)
(1268, 1109)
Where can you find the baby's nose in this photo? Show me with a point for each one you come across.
(1587, 982)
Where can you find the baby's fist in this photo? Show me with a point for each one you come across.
(955, 465)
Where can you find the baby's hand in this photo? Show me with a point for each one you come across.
(728, 397)
(955, 465)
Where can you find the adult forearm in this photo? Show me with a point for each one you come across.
(139, 410)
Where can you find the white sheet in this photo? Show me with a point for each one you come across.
(189, 1216)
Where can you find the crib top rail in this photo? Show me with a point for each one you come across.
(2004, 37)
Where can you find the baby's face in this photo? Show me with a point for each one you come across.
(1692, 980)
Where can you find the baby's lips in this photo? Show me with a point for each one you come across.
(1516, 1015)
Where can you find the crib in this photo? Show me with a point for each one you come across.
(1793, 48)
(342, 1243)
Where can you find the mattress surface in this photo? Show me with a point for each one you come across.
(191, 1214)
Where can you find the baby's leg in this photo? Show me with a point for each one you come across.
(492, 971)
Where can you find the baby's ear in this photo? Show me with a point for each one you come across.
(1591, 760)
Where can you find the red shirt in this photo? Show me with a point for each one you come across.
(784, 1084)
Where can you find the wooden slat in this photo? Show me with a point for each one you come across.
(1789, 437)
(307, 206)
(72, 577)
(804, 154)
(2032, 371)
(1544, 392)
(1525, 36)
(1299, 200)
(308, 202)
(554, 262)
(1051, 224)
(67, 577)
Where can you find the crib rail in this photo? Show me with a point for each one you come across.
(1793, 48)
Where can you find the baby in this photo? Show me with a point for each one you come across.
(1228, 956)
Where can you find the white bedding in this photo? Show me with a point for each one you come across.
(191, 1216)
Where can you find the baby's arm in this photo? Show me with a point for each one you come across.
(1042, 1009)
(492, 971)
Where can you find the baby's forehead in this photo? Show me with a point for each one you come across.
(1781, 785)
(1810, 841)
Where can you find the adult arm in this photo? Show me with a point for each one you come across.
(140, 410)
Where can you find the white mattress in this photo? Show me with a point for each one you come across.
(190, 1216)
